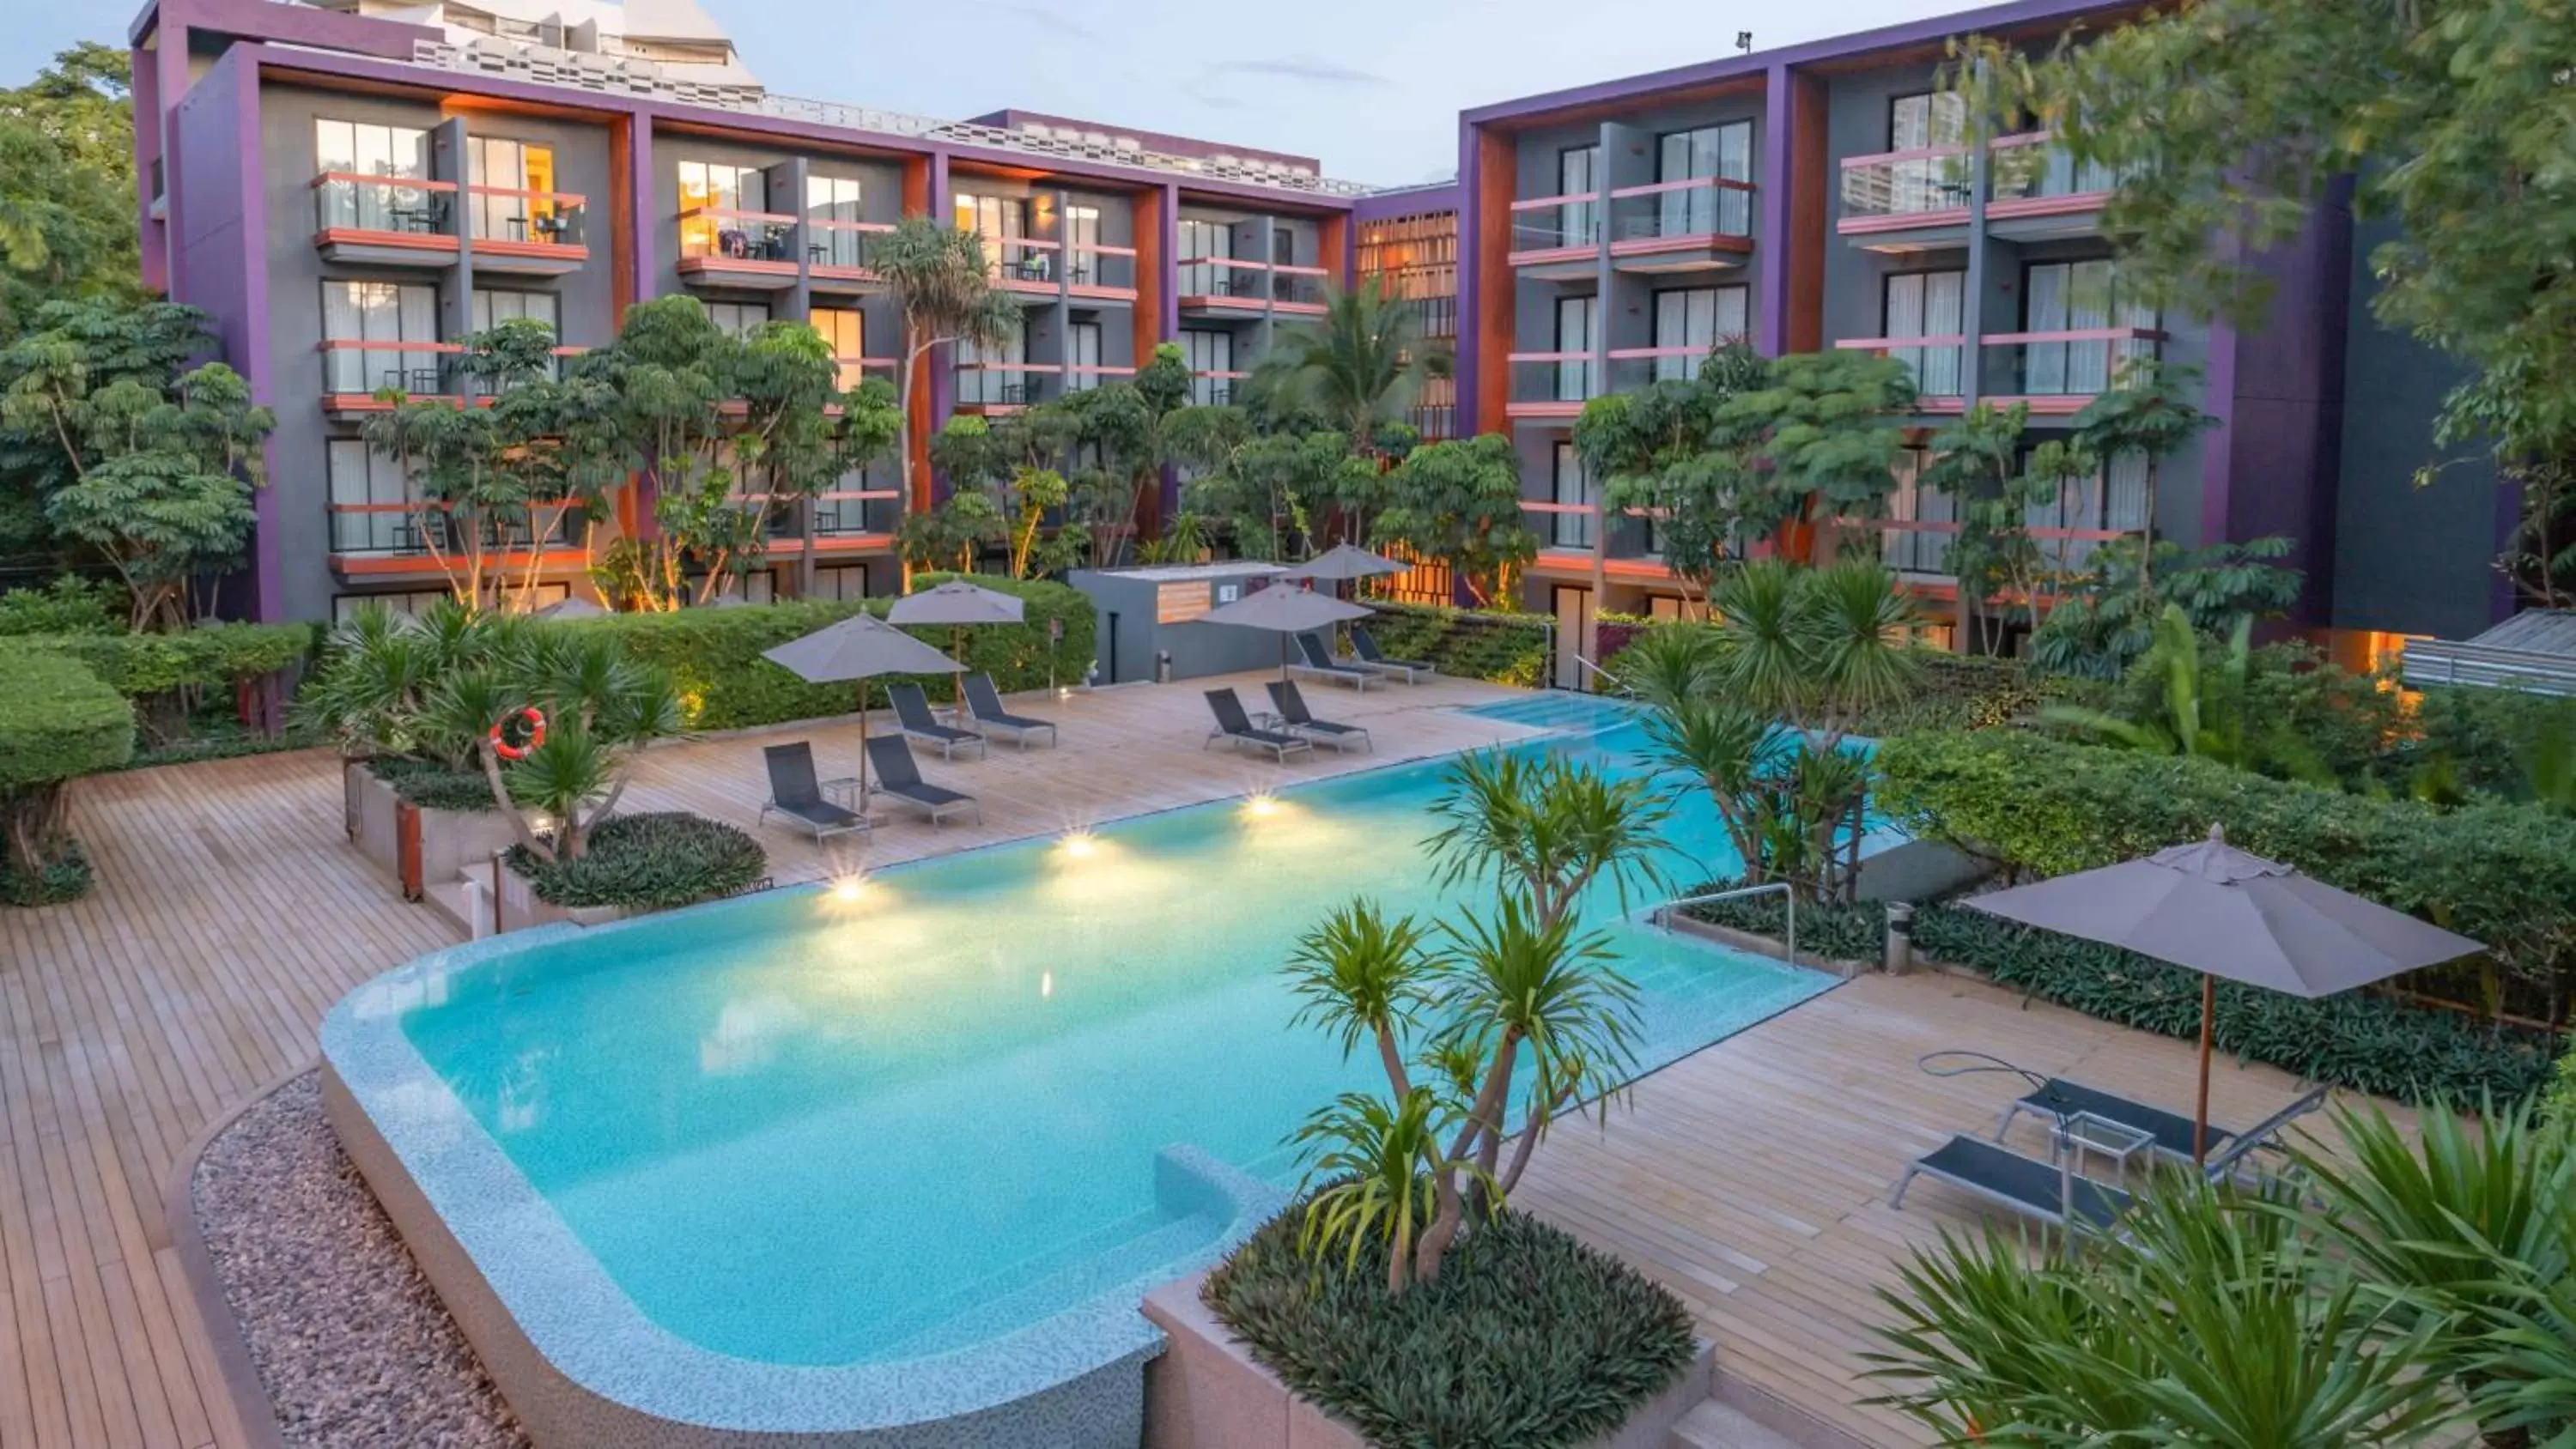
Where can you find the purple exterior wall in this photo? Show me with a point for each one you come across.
(2283, 405)
(1412, 201)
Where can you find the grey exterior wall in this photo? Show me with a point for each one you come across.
(299, 475)
(1130, 640)
(2406, 559)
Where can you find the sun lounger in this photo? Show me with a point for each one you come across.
(899, 779)
(2051, 1192)
(797, 795)
(984, 706)
(1322, 665)
(912, 711)
(1292, 711)
(1364, 645)
(1235, 728)
(2057, 1099)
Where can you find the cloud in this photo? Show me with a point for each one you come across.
(1301, 68)
(1050, 20)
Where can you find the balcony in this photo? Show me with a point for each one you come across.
(1084, 376)
(1557, 238)
(413, 537)
(1939, 365)
(1098, 272)
(1696, 225)
(1215, 389)
(1906, 201)
(1633, 369)
(1025, 266)
(355, 373)
(751, 250)
(1298, 291)
(992, 388)
(1223, 287)
(382, 221)
(526, 233)
(2057, 373)
(1561, 527)
(2035, 191)
(855, 370)
(857, 518)
(838, 254)
(1549, 387)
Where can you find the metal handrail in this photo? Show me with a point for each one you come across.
(1662, 915)
(1623, 685)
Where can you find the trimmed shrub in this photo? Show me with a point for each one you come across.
(58, 721)
(430, 785)
(714, 654)
(207, 656)
(1469, 643)
(1526, 1339)
(1837, 933)
(69, 604)
(654, 862)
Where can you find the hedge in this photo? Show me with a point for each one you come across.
(656, 861)
(1527, 1339)
(2359, 1040)
(207, 656)
(714, 654)
(430, 785)
(1468, 643)
(2503, 874)
(58, 721)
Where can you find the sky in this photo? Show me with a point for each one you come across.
(1371, 87)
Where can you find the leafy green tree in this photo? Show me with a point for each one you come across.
(1662, 451)
(2107, 621)
(1822, 433)
(2005, 575)
(134, 457)
(2203, 711)
(1271, 489)
(1123, 430)
(2149, 413)
(1359, 367)
(943, 286)
(950, 537)
(67, 209)
(1458, 502)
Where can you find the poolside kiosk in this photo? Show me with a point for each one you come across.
(1143, 613)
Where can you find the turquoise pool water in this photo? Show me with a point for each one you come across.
(827, 1127)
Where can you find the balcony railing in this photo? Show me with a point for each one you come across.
(841, 246)
(1022, 263)
(1939, 365)
(1550, 384)
(1215, 389)
(1084, 376)
(1298, 288)
(1898, 188)
(854, 370)
(1549, 228)
(1633, 368)
(526, 218)
(1097, 267)
(2060, 371)
(1003, 384)
(1670, 211)
(391, 206)
(1561, 525)
(719, 235)
(362, 367)
(1223, 278)
(413, 529)
(2027, 169)
(846, 511)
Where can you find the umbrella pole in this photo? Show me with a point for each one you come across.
(2200, 1116)
(863, 748)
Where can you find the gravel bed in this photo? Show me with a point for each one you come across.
(353, 1345)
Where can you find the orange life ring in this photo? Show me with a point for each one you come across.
(536, 734)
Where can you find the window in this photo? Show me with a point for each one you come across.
(1209, 351)
(2081, 296)
(1283, 246)
(738, 319)
(1917, 551)
(845, 331)
(1574, 334)
(1082, 356)
(373, 506)
(841, 581)
(836, 200)
(1081, 232)
(493, 307)
(832, 198)
(518, 204)
(1200, 239)
(1569, 484)
(1699, 318)
(385, 335)
(1578, 223)
(349, 148)
(708, 188)
(990, 375)
(1929, 304)
(757, 587)
(1002, 221)
(1723, 152)
(2115, 501)
(1927, 121)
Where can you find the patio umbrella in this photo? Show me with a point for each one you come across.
(959, 604)
(1284, 612)
(859, 647)
(1342, 561)
(2221, 911)
(572, 606)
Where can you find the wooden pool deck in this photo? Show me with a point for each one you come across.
(231, 913)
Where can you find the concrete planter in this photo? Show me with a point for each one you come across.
(421, 850)
(1207, 1389)
(519, 907)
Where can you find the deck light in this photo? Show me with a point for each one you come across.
(1077, 844)
(1261, 805)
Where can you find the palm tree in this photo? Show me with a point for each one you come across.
(1381, 1164)
(943, 286)
(1361, 975)
(1360, 365)
(1545, 828)
(2150, 411)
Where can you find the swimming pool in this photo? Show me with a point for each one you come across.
(903, 1149)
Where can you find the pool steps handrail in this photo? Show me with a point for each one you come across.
(1662, 915)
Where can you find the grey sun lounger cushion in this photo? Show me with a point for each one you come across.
(2058, 1098)
(1235, 728)
(899, 779)
(1291, 705)
(795, 794)
(984, 706)
(1321, 663)
(2025, 1184)
(912, 711)
(1364, 644)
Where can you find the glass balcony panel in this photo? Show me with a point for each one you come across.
(401, 205)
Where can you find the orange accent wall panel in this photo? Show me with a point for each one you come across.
(1494, 300)
(916, 186)
(1805, 248)
(1334, 235)
(621, 213)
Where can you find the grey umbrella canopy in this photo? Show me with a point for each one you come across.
(859, 647)
(1342, 561)
(571, 607)
(2221, 911)
(1284, 611)
(958, 603)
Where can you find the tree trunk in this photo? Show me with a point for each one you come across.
(1449, 1213)
(2147, 538)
